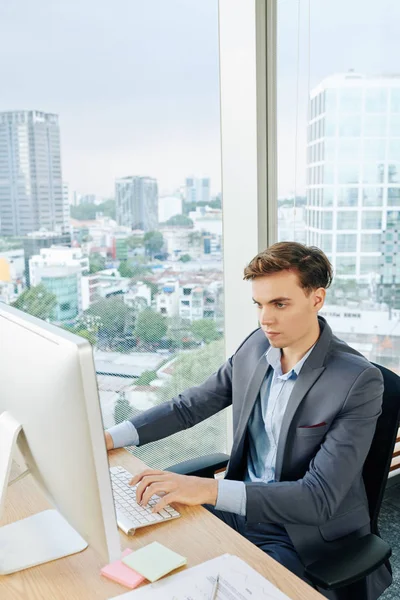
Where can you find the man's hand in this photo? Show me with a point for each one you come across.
(177, 488)
(109, 441)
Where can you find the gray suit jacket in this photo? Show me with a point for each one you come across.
(319, 494)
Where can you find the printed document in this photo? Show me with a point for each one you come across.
(237, 581)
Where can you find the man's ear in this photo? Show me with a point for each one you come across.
(319, 296)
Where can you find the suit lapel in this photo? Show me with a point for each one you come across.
(251, 394)
(307, 377)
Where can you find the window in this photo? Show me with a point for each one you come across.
(372, 196)
(326, 220)
(394, 196)
(371, 242)
(347, 196)
(371, 219)
(160, 202)
(346, 242)
(376, 100)
(375, 126)
(347, 220)
(369, 264)
(350, 126)
(346, 265)
(350, 101)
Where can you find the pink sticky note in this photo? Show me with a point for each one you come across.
(122, 574)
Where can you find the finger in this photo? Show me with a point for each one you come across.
(155, 488)
(143, 485)
(162, 503)
(144, 473)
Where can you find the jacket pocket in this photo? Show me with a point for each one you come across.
(345, 524)
(312, 431)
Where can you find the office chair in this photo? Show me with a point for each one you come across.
(361, 556)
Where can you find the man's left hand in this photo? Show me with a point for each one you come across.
(176, 488)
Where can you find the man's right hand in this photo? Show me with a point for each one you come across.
(109, 441)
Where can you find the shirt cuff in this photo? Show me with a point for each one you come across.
(124, 434)
(231, 496)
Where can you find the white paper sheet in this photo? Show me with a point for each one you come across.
(237, 581)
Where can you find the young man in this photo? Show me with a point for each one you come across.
(305, 407)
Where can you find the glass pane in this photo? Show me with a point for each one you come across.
(327, 196)
(347, 220)
(376, 100)
(394, 126)
(346, 242)
(393, 196)
(370, 264)
(119, 233)
(350, 100)
(371, 242)
(373, 172)
(395, 100)
(346, 265)
(350, 126)
(326, 220)
(372, 196)
(371, 219)
(347, 196)
(348, 173)
(394, 150)
(374, 150)
(375, 126)
(393, 219)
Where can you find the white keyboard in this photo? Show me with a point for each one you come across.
(130, 515)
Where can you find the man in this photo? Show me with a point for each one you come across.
(305, 407)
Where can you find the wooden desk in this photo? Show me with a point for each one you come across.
(197, 534)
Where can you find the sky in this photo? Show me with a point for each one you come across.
(136, 88)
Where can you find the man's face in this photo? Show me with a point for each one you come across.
(286, 314)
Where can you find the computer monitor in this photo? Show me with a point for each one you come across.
(48, 386)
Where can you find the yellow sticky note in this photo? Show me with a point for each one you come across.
(154, 561)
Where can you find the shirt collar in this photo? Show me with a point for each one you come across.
(273, 356)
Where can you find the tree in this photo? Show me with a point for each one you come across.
(114, 317)
(37, 301)
(153, 242)
(123, 410)
(146, 377)
(185, 258)
(150, 327)
(180, 221)
(135, 240)
(97, 262)
(125, 269)
(87, 212)
(205, 330)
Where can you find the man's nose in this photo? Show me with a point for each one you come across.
(266, 317)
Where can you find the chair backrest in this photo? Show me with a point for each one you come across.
(377, 464)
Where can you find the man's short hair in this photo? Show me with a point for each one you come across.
(309, 262)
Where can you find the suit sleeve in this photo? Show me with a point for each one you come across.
(314, 499)
(189, 408)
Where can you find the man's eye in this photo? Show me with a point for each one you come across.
(280, 305)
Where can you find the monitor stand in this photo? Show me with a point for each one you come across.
(37, 539)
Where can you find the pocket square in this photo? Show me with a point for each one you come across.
(312, 426)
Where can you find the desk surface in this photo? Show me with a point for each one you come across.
(197, 534)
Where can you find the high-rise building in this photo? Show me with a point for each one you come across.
(60, 270)
(136, 201)
(353, 170)
(37, 240)
(389, 284)
(31, 187)
(197, 190)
